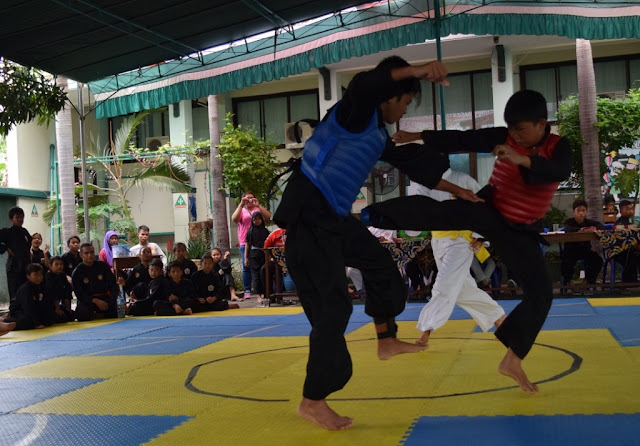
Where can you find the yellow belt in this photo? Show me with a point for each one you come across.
(482, 254)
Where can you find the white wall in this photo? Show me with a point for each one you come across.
(28, 157)
(33, 222)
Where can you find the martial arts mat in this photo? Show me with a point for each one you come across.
(235, 378)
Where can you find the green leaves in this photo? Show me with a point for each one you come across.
(27, 94)
(249, 162)
(618, 125)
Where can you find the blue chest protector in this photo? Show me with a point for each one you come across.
(338, 161)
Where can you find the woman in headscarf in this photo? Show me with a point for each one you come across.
(106, 254)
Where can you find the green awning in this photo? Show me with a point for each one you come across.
(352, 34)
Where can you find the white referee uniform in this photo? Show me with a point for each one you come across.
(454, 283)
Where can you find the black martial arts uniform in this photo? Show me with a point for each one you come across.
(183, 291)
(70, 262)
(224, 269)
(208, 285)
(58, 290)
(574, 251)
(256, 235)
(138, 283)
(95, 281)
(18, 240)
(320, 243)
(31, 308)
(188, 268)
(518, 245)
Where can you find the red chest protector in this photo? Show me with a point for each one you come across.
(517, 201)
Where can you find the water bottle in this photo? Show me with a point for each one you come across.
(121, 302)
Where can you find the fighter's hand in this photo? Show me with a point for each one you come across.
(211, 299)
(401, 137)
(433, 72)
(507, 153)
(475, 245)
(227, 254)
(466, 194)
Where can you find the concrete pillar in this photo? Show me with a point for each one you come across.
(502, 81)
(181, 132)
(334, 90)
(181, 217)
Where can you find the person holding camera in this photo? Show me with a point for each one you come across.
(242, 217)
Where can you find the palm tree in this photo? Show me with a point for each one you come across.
(220, 222)
(587, 101)
(64, 149)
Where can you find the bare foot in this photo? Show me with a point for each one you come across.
(234, 306)
(187, 312)
(6, 327)
(424, 338)
(511, 366)
(500, 320)
(389, 347)
(320, 413)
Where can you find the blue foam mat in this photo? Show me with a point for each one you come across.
(84, 430)
(23, 392)
(538, 430)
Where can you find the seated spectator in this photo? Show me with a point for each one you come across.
(31, 309)
(158, 291)
(629, 257)
(181, 294)
(222, 267)
(106, 254)
(143, 240)
(38, 255)
(137, 285)
(95, 287)
(72, 257)
(58, 290)
(574, 251)
(627, 214)
(610, 211)
(208, 287)
(180, 258)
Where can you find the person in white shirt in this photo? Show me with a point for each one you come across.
(143, 237)
(453, 252)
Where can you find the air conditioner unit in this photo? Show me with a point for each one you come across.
(294, 138)
(153, 143)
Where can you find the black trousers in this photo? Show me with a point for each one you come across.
(14, 280)
(629, 261)
(165, 308)
(592, 262)
(317, 252)
(89, 311)
(519, 249)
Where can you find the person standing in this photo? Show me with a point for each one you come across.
(16, 241)
(323, 237)
(531, 162)
(242, 217)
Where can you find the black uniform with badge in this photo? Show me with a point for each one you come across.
(205, 286)
(138, 281)
(17, 241)
(95, 281)
(30, 308)
(188, 268)
(185, 294)
(70, 262)
(58, 289)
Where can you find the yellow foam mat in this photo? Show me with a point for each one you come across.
(614, 301)
(32, 335)
(249, 388)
